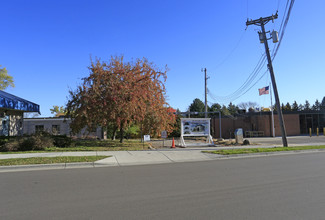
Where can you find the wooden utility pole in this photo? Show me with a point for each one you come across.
(205, 93)
(261, 22)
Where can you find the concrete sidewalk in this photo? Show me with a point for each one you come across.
(120, 158)
(128, 158)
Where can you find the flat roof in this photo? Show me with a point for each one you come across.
(47, 119)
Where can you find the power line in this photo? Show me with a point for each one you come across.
(278, 5)
(283, 27)
(232, 51)
(245, 85)
(244, 92)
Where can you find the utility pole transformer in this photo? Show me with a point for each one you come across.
(261, 22)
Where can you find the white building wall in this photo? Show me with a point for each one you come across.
(31, 123)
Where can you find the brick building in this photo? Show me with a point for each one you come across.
(256, 124)
(313, 120)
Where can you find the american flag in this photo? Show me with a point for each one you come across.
(263, 91)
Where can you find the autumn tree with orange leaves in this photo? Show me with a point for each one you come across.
(119, 94)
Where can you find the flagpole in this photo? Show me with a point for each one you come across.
(273, 131)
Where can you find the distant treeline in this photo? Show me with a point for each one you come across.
(198, 106)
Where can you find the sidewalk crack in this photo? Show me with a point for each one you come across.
(167, 157)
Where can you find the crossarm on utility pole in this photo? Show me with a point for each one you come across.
(262, 20)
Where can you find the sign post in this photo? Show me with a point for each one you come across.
(146, 138)
(164, 136)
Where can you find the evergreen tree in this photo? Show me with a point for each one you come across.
(214, 108)
(197, 106)
(295, 106)
(307, 106)
(282, 107)
(322, 105)
(232, 108)
(287, 107)
(224, 110)
(274, 108)
(317, 105)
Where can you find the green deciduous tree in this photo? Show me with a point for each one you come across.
(5, 79)
(247, 105)
(177, 125)
(58, 110)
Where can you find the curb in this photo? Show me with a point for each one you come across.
(50, 166)
(264, 154)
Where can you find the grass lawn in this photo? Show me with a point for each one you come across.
(104, 145)
(94, 145)
(260, 150)
(49, 160)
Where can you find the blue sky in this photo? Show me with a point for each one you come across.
(46, 46)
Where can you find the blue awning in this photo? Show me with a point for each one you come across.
(9, 101)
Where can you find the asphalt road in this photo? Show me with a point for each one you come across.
(274, 187)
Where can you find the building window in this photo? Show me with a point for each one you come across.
(39, 128)
(56, 129)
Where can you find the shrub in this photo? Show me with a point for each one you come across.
(132, 132)
(35, 142)
(42, 134)
(10, 146)
(3, 141)
(246, 142)
(62, 141)
(26, 144)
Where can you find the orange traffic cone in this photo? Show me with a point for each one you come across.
(173, 143)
